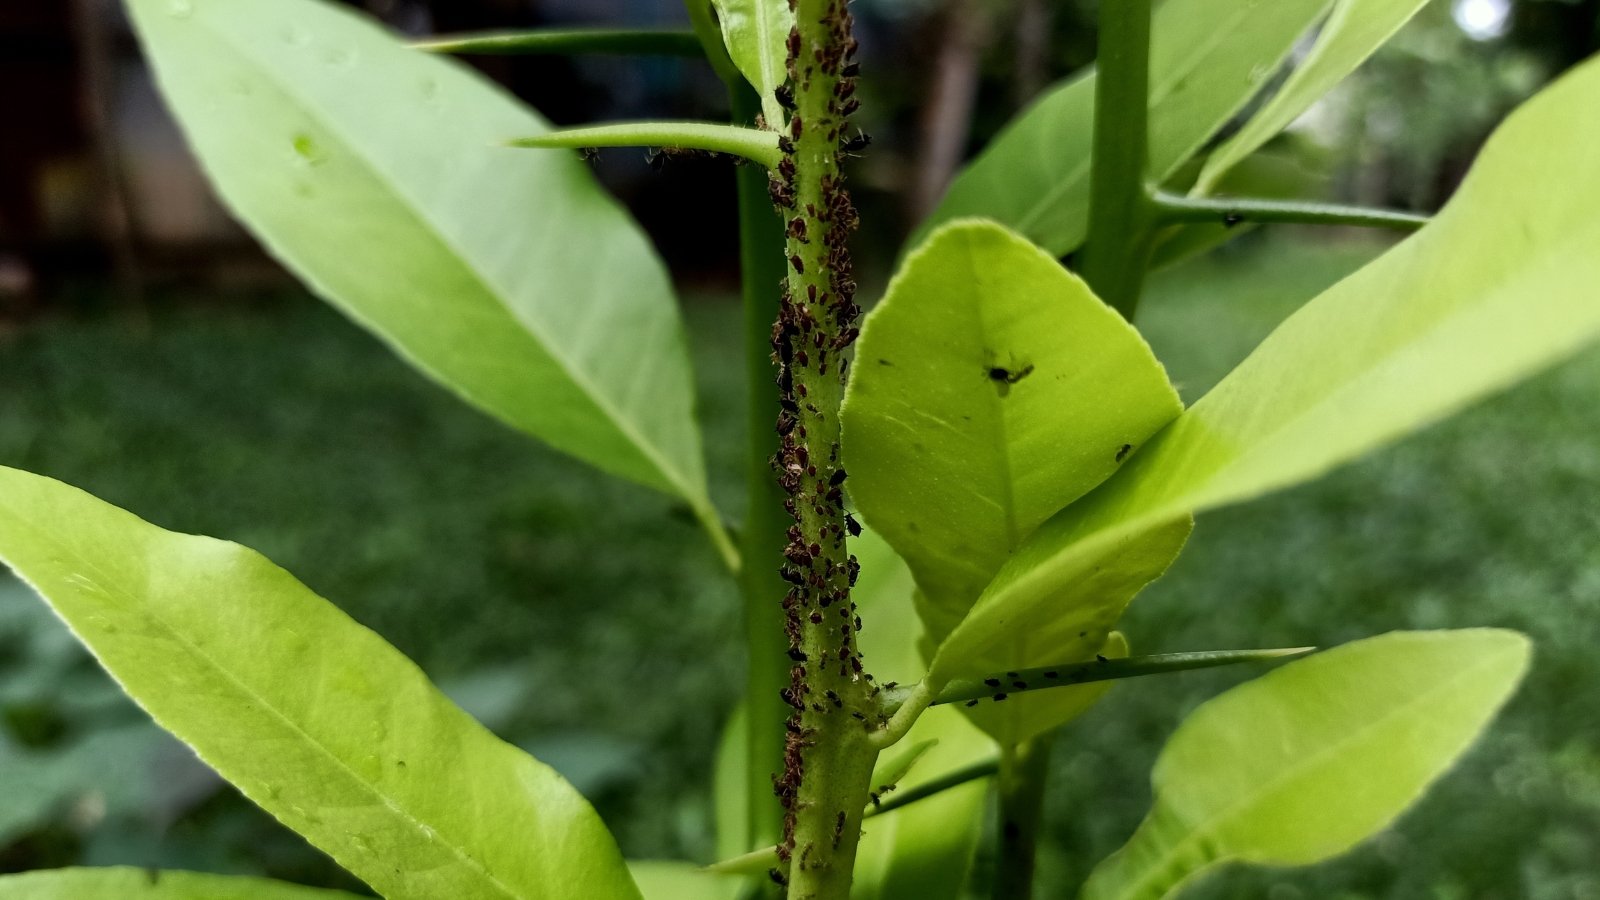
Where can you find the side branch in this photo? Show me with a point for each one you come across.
(1173, 208)
(710, 137)
(566, 41)
(1003, 684)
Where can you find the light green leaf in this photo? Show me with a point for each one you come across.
(756, 33)
(312, 716)
(1498, 286)
(921, 851)
(990, 389)
(674, 880)
(729, 786)
(1208, 58)
(703, 19)
(378, 174)
(749, 143)
(1305, 762)
(1354, 30)
(128, 883)
(1070, 623)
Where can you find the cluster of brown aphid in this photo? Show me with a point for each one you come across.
(816, 325)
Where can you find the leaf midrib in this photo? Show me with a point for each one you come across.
(601, 402)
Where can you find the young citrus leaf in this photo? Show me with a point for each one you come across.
(1307, 761)
(128, 883)
(1354, 31)
(673, 880)
(756, 33)
(730, 796)
(749, 143)
(1207, 59)
(378, 174)
(703, 20)
(1498, 286)
(921, 851)
(312, 716)
(990, 389)
(1071, 623)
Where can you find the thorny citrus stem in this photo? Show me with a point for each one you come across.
(829, 751)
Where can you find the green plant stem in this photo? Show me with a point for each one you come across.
(1120, 237)
(566, 41)
(715, 137)
(1024, 770)
(762, 538)
(829, 754)
(1172, 208)
(969, 689)
(952, 778)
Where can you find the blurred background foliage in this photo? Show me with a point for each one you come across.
(152, 355)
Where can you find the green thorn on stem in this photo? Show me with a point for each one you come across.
(972, 690)
(748, 143)
(566, 41)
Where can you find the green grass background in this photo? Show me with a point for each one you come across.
(583, 619)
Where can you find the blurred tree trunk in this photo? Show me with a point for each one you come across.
(1035, 22)
(97, 71)
(947, 111)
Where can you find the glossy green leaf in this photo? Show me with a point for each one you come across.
(703, 20)
(730, 796)
(378, 174)
(312, 716)
(1498, 286)
(1208, 58)
(1354, 31)
(756, 33)
(128, 883)
(757, 146)
(1305, 762)
(921, 851)
(673, 880)
(990, 389)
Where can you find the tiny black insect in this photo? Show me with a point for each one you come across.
(588, 154)
(992, 682)
(1122, 454)
(796, 654)
(1099, 658)
(972, 703)
(837, 478)
(999, 697)
(1002, 374)
(1052, 674)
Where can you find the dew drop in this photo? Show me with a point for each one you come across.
(180, 9)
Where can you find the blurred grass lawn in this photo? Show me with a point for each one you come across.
(583, 619)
